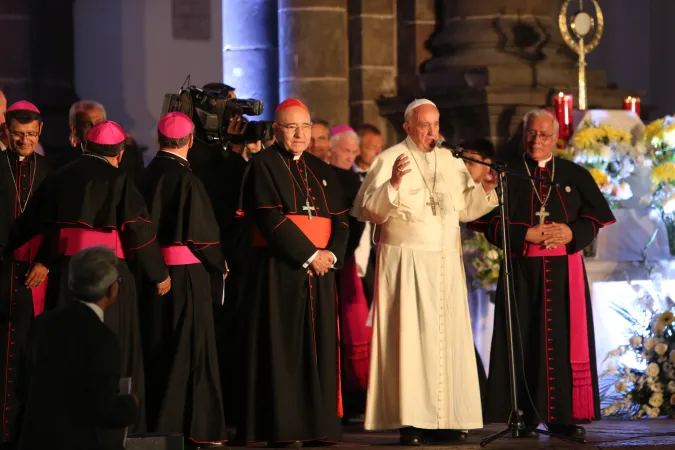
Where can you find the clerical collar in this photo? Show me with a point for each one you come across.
(287, 153)
(2, 147)
(173, 154)
(14, 154)
(543, 163)
(540, 164)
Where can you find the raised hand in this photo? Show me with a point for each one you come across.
(398, 170)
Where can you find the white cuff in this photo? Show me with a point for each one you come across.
(334, 260)
(392, 194)
(309, 261)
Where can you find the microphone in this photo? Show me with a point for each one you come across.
(441, 143)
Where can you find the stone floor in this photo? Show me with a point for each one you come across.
(610, 434)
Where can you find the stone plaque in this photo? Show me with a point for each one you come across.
(192, 19)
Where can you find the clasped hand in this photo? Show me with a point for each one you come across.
(321, 264)
(551, 235)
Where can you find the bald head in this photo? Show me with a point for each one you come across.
(293, 128)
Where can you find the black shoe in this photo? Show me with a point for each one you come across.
(574, 431)
(528, 432)
(285, 444)
(445, 436)
(411, 436)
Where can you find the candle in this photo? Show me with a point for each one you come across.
(632, 104)
(564, 108)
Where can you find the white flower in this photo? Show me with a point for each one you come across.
(657, 387)
(650, 343)
(653, 369)
(635, 341)
(492, 254)
(620, 386)
(624, 192)
(669, 205)
(671, 386)
(656, 400)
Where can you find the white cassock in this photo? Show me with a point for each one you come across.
(422, 367)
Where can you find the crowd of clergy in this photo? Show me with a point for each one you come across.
(288, 286)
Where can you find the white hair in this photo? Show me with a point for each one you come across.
(91, 272)
(337, 138)
(84, 105)
(540, 113)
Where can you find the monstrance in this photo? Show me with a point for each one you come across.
(575, 30)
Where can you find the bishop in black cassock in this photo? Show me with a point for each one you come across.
(91, 202)
(21, 172)
(183, 392)
(553, 321)
(291, 391)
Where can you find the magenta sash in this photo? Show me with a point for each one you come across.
(355, 334)
(26, 253)
(72, 240)
(179, 255)
(580, 359)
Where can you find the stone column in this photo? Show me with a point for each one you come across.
(250, 59)
(372, 60)
(416, 25)
(492, 62)
(313, 62)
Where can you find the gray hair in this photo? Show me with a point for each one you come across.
(336, 139)
(84, 105)
(91, 272)
(540, 113)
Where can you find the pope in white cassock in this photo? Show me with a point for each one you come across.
(423, 376)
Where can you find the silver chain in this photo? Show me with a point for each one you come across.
(431, 192)
(16, 188)
(534, 186)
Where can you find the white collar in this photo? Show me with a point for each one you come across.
(543, 163)
(94, 307)
(176, 154)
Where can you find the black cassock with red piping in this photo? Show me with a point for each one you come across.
(289, 335)
(183, 389)
(552, 304)
(85, 203)
(20, 177)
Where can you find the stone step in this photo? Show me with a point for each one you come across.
(155, 441)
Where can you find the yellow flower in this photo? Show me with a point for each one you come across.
(666, 319)
(600, 177)
(664, 173)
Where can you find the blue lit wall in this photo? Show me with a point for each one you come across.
(250, 59)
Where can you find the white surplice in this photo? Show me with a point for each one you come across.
(423, 367)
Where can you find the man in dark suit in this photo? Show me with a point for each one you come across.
(72, 399)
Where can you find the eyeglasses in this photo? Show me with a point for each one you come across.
(31, 135)
(532, 135)
(293, 127)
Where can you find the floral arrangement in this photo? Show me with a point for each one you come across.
(485, 258)
(609, 156)
(659, 137)
(640, 378)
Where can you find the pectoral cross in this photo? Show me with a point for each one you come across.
(309, 208)
(433, 203)
(543, 214)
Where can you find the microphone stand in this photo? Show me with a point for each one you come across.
(516, 424)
